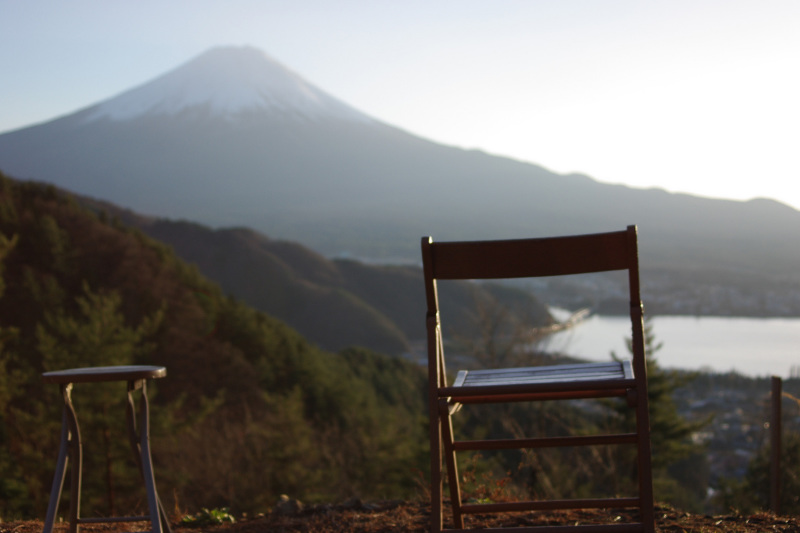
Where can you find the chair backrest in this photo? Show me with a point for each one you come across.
(528, 258)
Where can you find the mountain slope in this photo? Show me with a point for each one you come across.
(249, 409)
(303, 291)
(333, 303)
(291, 162)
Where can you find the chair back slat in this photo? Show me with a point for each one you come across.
(521, 258)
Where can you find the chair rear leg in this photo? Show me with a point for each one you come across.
(450, 459)
(76, 458)
(436, 469)
(59, 476)
(645, 466)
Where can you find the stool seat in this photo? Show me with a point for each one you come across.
(96, 374)
(70, 450)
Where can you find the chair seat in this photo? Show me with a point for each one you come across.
(533, 375)
(587, 380)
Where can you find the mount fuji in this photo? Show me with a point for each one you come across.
(227, 83)
(234, 138)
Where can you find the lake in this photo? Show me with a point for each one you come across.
(750, 346)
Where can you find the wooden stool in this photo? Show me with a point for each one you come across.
(70, 449)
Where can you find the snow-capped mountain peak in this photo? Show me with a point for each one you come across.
(224, 82)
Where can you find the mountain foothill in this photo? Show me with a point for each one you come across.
(327, 403)
(334, 303)
(79, 288)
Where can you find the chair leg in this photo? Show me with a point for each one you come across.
(450, 459)
(60, 474)
(436, 468)
(645, 466)
(75, 457)
(140, 443)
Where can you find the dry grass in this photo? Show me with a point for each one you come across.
(395, 517)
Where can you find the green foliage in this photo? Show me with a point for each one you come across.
(94, 336)
(249, 410)
(680, 470)
(333, 303)
(752, 494)
(208, 517)
(12, 489)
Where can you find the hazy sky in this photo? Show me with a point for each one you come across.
(697, 96)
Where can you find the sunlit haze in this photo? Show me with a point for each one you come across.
(694, 96)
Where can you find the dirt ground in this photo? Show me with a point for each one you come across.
(396, 517)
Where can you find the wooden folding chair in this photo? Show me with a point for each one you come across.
(526, 258)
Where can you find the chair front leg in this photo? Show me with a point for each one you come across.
(60, 474)
(140, 443)
(75, 457)
(644, 465)
(450, 459)
(435, 438)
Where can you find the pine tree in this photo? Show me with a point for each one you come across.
(97, 335)
(680, 470)
(11, 488)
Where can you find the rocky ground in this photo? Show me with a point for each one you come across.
(396, 517)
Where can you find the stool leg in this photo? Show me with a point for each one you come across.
(141, 448)
(69, 450)
(58, 477)
(75, 456)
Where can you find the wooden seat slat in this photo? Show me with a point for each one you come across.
(545, 374)
(547, 368)
(476, 376)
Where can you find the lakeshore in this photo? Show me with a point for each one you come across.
(749, 346)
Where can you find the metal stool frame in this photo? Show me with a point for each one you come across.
(71, 449)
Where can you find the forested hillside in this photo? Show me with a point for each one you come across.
(249, 409)
(334, 303)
